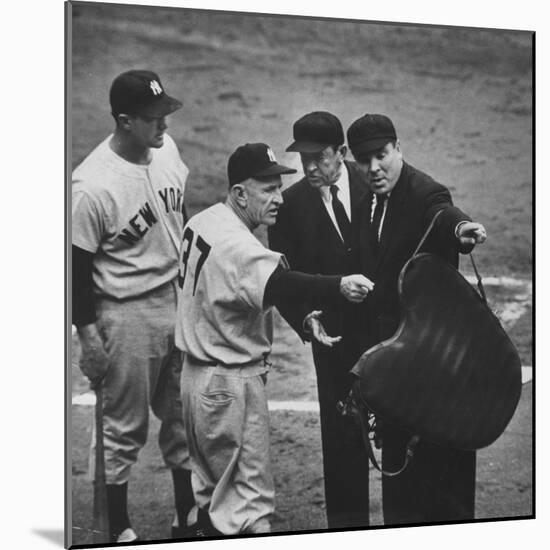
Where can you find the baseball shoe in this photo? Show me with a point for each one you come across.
(188, 531)
(128, 535)
(184, 532)
(200, 527)
(204, 526)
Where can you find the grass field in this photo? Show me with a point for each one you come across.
(462, 105)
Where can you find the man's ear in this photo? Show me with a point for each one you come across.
(343, 151)
(239, 194)
(124, 121)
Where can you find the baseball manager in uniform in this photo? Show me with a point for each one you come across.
(228, 284)
(127, 221)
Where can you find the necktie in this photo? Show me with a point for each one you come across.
(340, 215)
(377, 218)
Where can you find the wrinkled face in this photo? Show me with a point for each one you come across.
(263, 199)
(148, 132)
(323, 168)
(382, 168)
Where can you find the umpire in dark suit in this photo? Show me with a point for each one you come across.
(439, 484)
(313, 230)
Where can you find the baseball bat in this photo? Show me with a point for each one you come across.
(101, 517)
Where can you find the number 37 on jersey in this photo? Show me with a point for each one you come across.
(194, 252)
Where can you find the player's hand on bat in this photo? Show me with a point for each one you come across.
(355, 287)
(93, 361)
(471, 233)
(314, 326)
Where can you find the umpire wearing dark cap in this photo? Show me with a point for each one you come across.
(313, 230)
(439, 483)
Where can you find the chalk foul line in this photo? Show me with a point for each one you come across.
(508, 282)
(88, 398)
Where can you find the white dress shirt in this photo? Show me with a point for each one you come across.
(375, 198)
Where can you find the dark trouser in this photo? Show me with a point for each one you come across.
(438, 485)
(345, 462)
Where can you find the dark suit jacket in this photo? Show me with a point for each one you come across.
(415, 199)
(439, 485)
(306, 235)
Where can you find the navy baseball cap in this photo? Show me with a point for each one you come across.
(315, 132)
(370, 133)
(141, 92)
(254, 160)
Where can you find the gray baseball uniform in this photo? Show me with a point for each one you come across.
(226, 334)
(130, 217)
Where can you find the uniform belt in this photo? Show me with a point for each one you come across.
(263, 362)
(167, 288)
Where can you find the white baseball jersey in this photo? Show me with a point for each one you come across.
(130, 217)
(223, 272)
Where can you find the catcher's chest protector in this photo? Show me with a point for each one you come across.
(450, 374)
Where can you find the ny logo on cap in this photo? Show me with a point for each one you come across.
(271, 155)
(155, 87)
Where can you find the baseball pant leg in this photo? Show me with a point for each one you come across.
(167, 406)
(228, 433)
(166, 397)
(125, 389)
(203, 485)
(253, 494)
(138, 335)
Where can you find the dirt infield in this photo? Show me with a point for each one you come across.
(460, 99)
(504, 486)
(462, 105)
(504, 476)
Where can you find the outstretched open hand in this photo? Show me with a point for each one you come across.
(313, 324)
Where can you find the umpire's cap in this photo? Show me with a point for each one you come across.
(140, 92)
(315, 132)
(370, 133)
(254, 160)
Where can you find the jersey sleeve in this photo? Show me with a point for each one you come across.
(255, 266)
(88, 221)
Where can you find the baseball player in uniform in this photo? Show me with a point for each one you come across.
(228, 284)
(127, 221)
